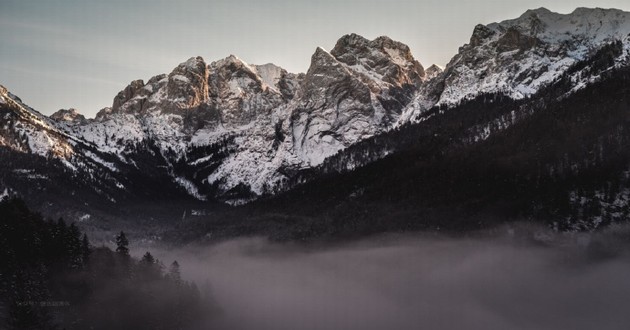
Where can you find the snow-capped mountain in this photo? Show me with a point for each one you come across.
(518, 57)
(235, 131)
(268, 122)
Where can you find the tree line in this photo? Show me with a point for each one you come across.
(51, 277)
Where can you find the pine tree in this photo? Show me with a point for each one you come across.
(174, 273)
(122, 244)
(148, 268)
(148, 259)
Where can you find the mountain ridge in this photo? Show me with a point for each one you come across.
(235, 132)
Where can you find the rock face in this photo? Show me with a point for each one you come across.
(241, 93)
(187, 86)
(356, 91)
(326, 120)
(434, 71)
(518, 57)
(127, 94)
(69, 115)
(383, 58)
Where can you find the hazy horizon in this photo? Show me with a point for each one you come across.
(79, 54)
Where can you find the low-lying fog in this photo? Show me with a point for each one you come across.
(523, 279)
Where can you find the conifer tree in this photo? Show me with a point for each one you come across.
(174, 273)
(148, 259)
(122, 244)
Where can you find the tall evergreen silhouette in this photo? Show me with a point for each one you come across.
(122, 244)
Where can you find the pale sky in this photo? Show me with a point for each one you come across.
(79, 53)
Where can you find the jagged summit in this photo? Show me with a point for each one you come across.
(581, 11)
(433, 71)
(321, 54)
(537, 11)
(232, 61)
(353, 43)
(381, 56)
(68, 115)
(355, 91)
(586, 25)
(351, 40)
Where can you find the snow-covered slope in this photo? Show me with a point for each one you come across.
(26, 131)
(520, 56)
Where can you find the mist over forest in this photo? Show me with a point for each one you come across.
(517, 277)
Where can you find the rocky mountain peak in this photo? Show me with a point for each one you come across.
(350, 44)
(68, 115)
(232, 64)
(536, 12)
(480, 34)
(433, 71)
(322, 57)
(127, 94)
(584, 26)
(187, 85)
(231, 77)
(391, 60)
(357, 90)
(240, 92)
(103, 114)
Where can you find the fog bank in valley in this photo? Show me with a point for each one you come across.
(523, 279)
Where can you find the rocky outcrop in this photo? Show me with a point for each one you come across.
(127, 94)
(239, 94)
(385, 66)
(433, 71)
(383, 58)
(356, 91)
(69, 116)
(480, 35)
(334, 109)
(187, 86)
(513, 39)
